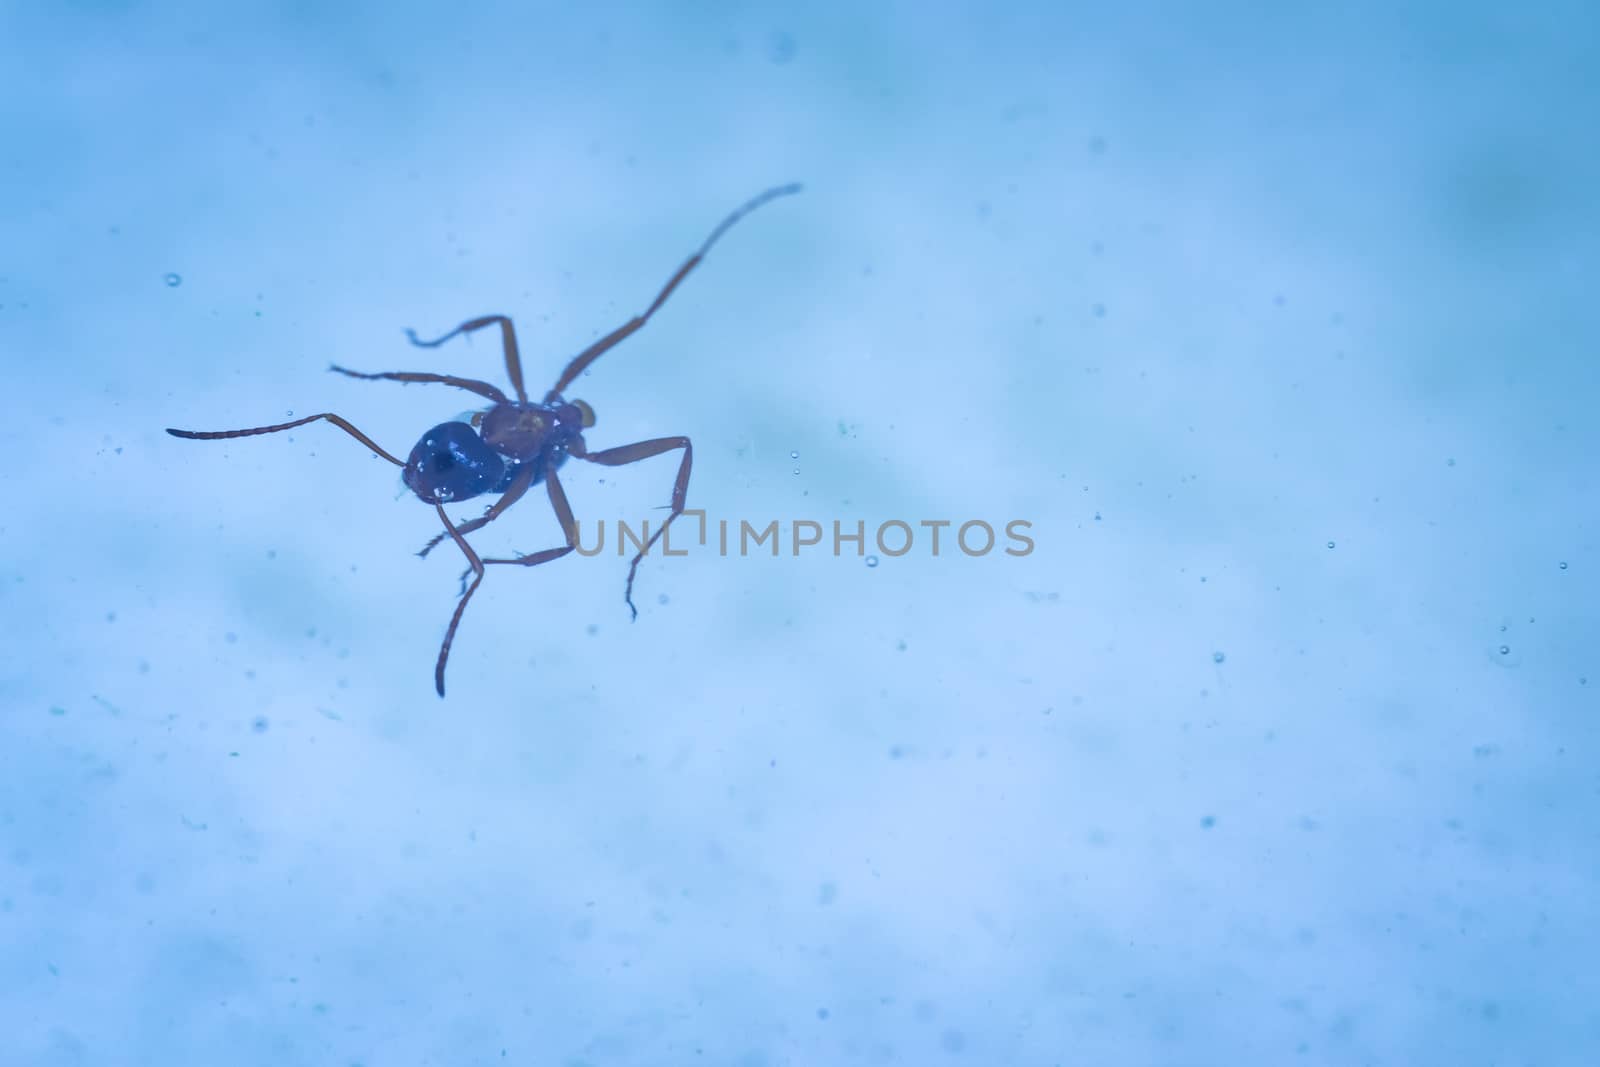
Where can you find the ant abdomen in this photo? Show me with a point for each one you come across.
(452, 463)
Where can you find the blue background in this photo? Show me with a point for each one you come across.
(1279, 325)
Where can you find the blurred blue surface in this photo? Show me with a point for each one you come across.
(1278, 324)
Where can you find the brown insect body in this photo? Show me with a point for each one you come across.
(516, 443)
(457, 461)
(520, 432)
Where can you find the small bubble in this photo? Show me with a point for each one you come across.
(1208, 821)
(872, 561)
(797, 470)
(289, 413)
(1505, 650)
(1450, 462)
(794, 455)
(1330, 544)
(780, 47)
(173, 280)
(260, 724)
(1563, 564)
(663, 599)
(1219, 657)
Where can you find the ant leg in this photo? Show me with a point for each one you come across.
(508, 341)
(625, 454)
(483, 389)
(195, 435)
(569, 525)
(581, 362)
(519, 485)
(461, 605)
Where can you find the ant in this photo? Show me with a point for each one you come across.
(513, 445)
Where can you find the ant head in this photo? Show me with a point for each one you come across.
(575, 413)
(452, 463)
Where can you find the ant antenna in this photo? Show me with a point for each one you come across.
(581, 361)
(727, 223)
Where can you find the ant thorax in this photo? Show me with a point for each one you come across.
(522, 432)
